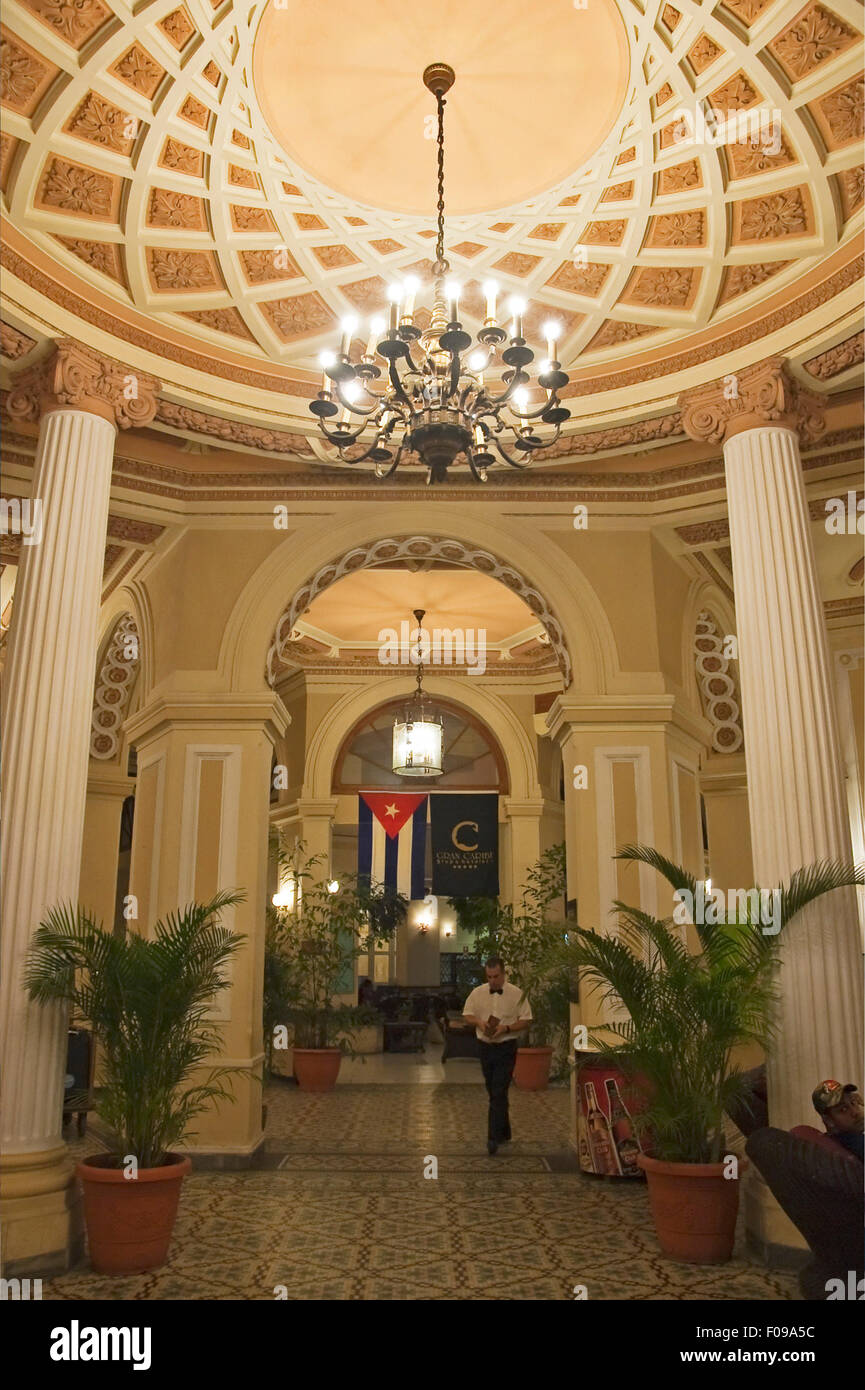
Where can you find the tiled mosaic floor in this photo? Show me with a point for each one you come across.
(348, 1213)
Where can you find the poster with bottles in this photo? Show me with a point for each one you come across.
(607, 1139)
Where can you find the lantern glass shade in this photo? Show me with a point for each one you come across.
(417, 747)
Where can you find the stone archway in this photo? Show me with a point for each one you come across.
(419, 547)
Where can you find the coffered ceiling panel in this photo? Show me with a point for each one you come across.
(141, 153)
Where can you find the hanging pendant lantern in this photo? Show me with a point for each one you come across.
(417, 737)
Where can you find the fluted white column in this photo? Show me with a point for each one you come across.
(795, 782)
(46, 722)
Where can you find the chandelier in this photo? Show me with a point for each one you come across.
(437, 401)
(417, 737)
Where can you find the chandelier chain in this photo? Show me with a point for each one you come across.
(440, 241)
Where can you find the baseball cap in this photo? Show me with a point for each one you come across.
(829, 1094)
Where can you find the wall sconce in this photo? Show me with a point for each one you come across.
(286, 896)
(449, 931)
(423, 927)
(333, 885)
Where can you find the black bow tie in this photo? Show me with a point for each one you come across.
(494, 991)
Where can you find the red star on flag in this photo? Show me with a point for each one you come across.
(392, 809)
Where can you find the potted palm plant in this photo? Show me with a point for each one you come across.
(313, 945)
(687, 1011)
(148, 1002)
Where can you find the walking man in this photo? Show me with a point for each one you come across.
(500, 1012)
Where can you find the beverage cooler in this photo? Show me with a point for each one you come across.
(607, 1138)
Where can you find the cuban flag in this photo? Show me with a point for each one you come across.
(391, 840)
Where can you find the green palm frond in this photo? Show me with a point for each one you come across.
(148, 1001)
(687, 1011)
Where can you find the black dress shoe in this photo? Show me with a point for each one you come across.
(492, 1146)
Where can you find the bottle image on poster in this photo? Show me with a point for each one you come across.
(586, 1163)
(604, 1157)
(625, 1138)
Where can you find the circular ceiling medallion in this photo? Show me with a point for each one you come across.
(534, 96)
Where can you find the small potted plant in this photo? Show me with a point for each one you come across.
(689, 1006)
(314, 945)
(147, 1000)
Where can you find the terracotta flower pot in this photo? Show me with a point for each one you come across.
(532, 1068)
(316, 1068)
(130, 1220)
(694, 1209)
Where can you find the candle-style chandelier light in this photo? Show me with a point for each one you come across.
(436, 401)
(417, 737)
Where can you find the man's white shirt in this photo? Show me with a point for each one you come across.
(509, 1006)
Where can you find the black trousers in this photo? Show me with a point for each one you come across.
(497, 1064)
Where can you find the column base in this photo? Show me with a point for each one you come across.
(42, 1217)
(769, 1232)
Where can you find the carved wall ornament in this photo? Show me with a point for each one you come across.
(181, 270)
(738, 279)
(104, 256)
(177, 27)
(747, 10)
(195, 112)
(299, 316)
(78, 377)
(616, 193)
(587, 280)
(763, 394)
(812, 39)
(73, 20)
(837, 359)
(408, 548)
(223, 320)
(703, 53)
(844, 111)
(181, 210)
(23, 74)
(114, 686)
(182, 417)
(677, 229)
(667, 287)
(852, 185)
(680, 177)
(778, 215)
(517, 263)
(14, 343)
(605, 233)
(745, 159)
(139, 70)
(718, 686)
(261, 267)
(617, 331)
(75, 188)
(185, 159)
(102, 123)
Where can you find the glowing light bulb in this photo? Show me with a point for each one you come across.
(552, 333)
(349, 328)
(478, 361)
(411, 285)
(326, 359)
(351, 390)
(376, 329)
(521, 397)
(333, 885)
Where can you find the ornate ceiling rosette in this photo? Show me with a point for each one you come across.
(148, 197)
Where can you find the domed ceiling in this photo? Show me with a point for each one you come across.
(203, 190)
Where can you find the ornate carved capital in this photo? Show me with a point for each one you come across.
(763, 394)
(76, 376)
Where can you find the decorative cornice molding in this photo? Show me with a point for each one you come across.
(76, 377)
(837, 359)
(13, 343)
(764, 394)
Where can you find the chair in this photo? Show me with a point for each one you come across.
(819, 1185)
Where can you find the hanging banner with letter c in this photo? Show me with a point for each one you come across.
(465, 844)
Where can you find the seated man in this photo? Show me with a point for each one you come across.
(843, 1114)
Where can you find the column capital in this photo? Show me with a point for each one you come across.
(764, 394)
(216, 712)
(75, 377)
